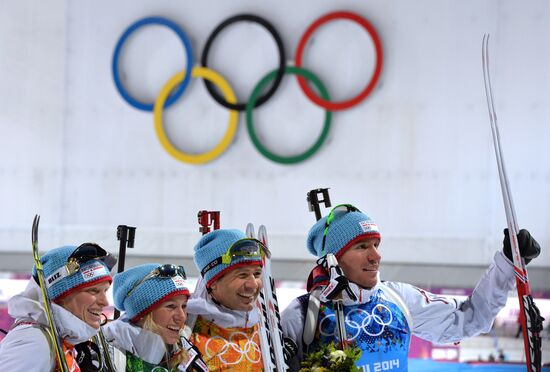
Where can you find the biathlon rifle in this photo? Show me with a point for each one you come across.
(313, 201)
(336, 276)
(208, 221)
(126, 236)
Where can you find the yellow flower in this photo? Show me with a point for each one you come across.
(337, 356)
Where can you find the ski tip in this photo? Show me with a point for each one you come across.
(262, 229)
(262, 234)
(35, 224)
(250, 230)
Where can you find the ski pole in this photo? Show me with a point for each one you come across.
(529, 317)
(126, 235)
(52, 332)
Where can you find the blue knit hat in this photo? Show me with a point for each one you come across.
(137, 297)
(212, 246)
(60, 282)
(344, 230)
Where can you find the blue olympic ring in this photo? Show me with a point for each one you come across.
(188, 51)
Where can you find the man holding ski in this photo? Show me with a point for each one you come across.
(379, 317)
(59, 312)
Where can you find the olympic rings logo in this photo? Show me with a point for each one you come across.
(250, 350)
(372, 324)
(177, 84)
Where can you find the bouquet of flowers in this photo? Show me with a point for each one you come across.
(331, 359)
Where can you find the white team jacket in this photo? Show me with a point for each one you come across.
(127, 337)
(434, 318)
(26, 347)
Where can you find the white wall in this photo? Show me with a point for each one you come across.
(416, 155)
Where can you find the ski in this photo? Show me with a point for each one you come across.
(270, 329)
(529, 317)
(273, 315)
(53, 333)
(266, 342)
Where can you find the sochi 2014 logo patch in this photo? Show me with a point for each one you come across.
(368, 227)
(94, 271)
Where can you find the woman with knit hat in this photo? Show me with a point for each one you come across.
(223, 317)
(77, 279)
(153, 298)
(379, 317)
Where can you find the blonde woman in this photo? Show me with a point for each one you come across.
(153, 298)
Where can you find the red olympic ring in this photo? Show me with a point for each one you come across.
(342, 105)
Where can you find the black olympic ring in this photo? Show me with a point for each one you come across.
(280, 71)
(179, 83)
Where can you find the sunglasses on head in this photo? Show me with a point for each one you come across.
(162, 271)
(338, 210)
(87, 252)
(247, 247)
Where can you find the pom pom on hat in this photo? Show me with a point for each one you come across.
(60, 283)
(212, 246)
(137, 299)
(344, 230)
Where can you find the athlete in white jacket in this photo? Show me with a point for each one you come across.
(380, 317)
(223, 318)
(77, 281)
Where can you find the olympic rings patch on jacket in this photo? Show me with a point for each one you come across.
(230, 352)
(359, 320)
(262, 92)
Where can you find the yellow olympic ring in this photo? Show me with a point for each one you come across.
(208, 156)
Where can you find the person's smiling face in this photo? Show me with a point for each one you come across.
(170, 318)
(88, 303)
(238, 288)
(361, 262)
